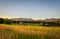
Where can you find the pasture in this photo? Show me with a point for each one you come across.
(28, 32)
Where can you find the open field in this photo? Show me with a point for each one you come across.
(28, 32)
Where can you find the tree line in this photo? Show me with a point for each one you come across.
(5, 21)
(43, 23)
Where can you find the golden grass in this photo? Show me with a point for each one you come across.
(53, 32)
(30, 29)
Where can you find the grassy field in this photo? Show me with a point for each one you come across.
(28, 32)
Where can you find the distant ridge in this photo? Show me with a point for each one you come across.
(30, 19)
(21, 19)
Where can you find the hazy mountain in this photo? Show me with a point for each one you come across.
(22, 19)
(52, 19)
(30, 19)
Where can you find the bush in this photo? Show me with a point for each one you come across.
(7, 21)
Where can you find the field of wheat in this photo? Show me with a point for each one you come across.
(28, 32)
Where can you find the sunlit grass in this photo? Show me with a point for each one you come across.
(28, 32)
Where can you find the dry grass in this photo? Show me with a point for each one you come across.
(28, 32)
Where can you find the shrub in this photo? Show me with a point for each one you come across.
(7, 21)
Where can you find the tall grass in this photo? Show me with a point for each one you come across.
(28, 32)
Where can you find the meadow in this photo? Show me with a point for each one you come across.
(28, 32)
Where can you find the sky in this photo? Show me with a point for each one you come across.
(30, 8)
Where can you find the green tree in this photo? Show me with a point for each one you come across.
(7, 21)
(1, 20)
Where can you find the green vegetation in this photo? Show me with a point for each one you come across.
(1, 20)
(31, 23)
(7, 21)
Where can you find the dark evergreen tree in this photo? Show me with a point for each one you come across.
(1, 20)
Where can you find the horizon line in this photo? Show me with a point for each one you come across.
(9, 17)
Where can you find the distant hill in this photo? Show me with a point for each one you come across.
(21, 19)
(30, 19)
(52, 19)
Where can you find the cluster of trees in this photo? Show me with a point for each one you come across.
(50, 23)
(6, 21)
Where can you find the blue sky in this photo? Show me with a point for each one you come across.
(30, 8)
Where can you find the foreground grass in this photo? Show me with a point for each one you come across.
(28, 32)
